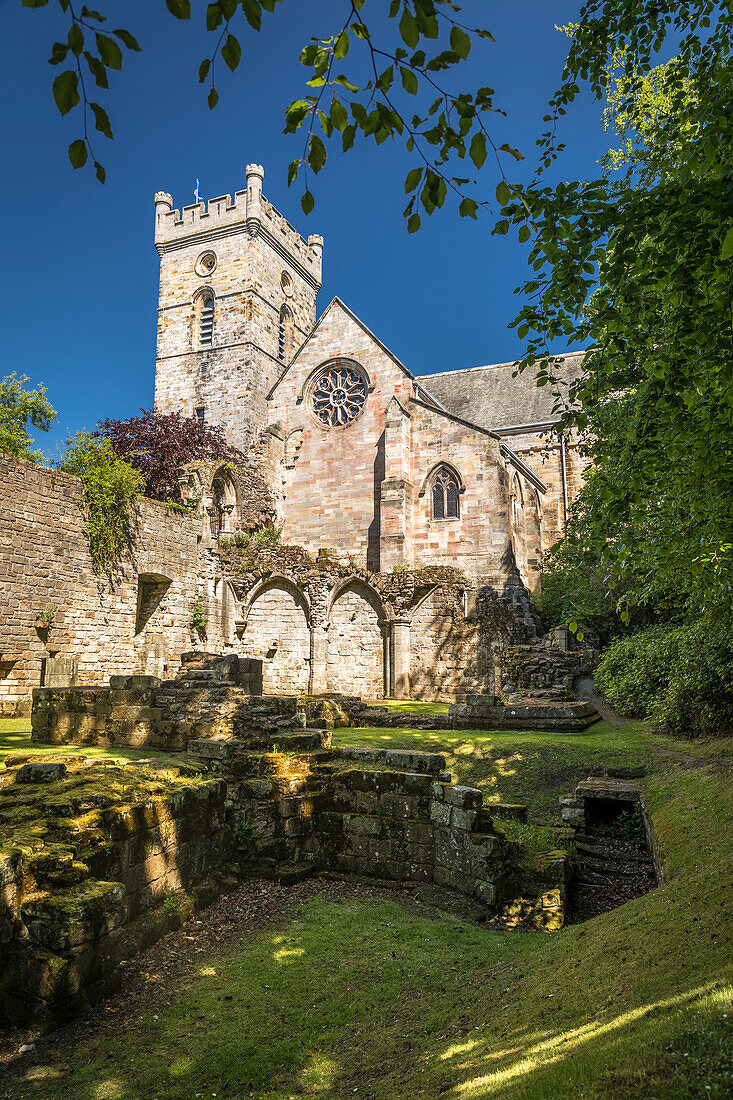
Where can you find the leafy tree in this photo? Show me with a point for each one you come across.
(19, 408)
(158, 444)
(639, 269)
(111, 487)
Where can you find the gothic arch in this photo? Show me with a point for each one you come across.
(223, 506)
(369, 592)
(277, 631)
(434, 470)
(355, 664)
(280, 579)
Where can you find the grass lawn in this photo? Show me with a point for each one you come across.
(535, 768)
(409, 706)
(375, 999)
(15, 737)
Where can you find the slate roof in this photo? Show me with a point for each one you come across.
(490, 397)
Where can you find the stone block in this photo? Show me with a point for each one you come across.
(439, 813)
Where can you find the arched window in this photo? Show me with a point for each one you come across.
(445, 494)
(285, 334)
(206, 318)
(223, 505)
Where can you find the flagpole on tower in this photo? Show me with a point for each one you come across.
(196, 192)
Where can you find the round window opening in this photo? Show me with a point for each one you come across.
(205, 263)
(339, 396)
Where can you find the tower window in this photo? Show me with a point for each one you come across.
(445, 494)
(285, 335)
(206, 322)
(200, 414)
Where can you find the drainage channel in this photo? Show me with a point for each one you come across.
(616, 857)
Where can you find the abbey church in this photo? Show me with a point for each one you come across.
(411, 511)
(364, 454)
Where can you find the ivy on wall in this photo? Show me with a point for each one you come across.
(111, 487)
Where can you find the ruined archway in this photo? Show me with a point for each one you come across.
(356, 643)
(277, 632)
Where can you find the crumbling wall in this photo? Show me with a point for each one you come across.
(137, 620)
(87, 866)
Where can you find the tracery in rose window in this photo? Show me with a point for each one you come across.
(338, 396)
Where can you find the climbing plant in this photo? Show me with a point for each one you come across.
(111, 487)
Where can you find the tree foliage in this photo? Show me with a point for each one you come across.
(640, 269)
(158, 444)
(19, 409)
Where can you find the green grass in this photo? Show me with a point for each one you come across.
(15, 737)
(375, 999)
(535, 768)
(410, 706)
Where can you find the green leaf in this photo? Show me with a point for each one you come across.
(101, 120)
(316, 153)
(524, 234)
(460, 43)
(341, 46)
(78, 153)
(109, 51)
(212, 99)
(413, 179)
(127, 39)
(727, 250)
(180, 8)
(501, 228)
(409, 80)
(307, 202)
(413, 223)
(503, 194)
(339, 115)
(65, 91)
(97, 69)
(349, 135)
(214, 16)
(231, 52)
(100, 172)
(468, 208)
(76, 39)
(34, 3)
(252, 13)
(87, 13)
(572, 625)
(512, 152)
(409, 32)
(293, 169)
(59, 51)
(204, 69)
(477, 150)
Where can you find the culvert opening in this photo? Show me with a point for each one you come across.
(613, 861)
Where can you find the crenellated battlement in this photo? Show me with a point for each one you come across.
(249, 212)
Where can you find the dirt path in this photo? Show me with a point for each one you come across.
(151, 978)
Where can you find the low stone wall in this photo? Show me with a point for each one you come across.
(410, 826)
(545, 671)
(89, 858)
(486, 712)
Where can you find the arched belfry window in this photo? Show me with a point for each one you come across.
(205, 316)
(285, 334)
(445, 494)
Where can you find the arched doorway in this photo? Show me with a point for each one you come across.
(355, 643)
(277, 633)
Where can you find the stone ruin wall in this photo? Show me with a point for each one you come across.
(319, 623)
(45, 563)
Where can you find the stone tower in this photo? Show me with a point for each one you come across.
(238, 290)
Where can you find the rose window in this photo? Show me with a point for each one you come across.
(339, 396)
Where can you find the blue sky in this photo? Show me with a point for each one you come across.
(80, 273)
